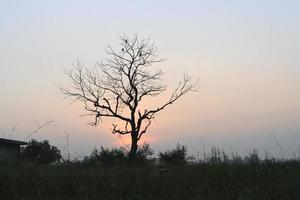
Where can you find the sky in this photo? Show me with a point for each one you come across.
(245, 54)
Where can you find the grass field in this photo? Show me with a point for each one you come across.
(207, 181)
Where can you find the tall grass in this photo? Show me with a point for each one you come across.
(218, 177)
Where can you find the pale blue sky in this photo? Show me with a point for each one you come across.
(245, 53)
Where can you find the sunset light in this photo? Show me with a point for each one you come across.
(120, 86)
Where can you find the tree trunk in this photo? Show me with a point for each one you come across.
(134, 147)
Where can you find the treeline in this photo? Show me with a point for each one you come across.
(171, 174)
(44, 153)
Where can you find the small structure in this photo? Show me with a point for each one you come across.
(10, 150)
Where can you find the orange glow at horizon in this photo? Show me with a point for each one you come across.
(125, 140)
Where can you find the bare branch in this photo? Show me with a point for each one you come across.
(183, 88)
(116, 87)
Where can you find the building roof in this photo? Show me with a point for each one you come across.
(16, 142)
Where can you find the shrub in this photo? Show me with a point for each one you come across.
(144, 153)
(107, 156)
(174, 156)
(40, 152)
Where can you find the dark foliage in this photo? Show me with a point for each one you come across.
(220, 181)
(40, 152)
(216, 177)
(106, 156)
(177, 155)
(144, 154)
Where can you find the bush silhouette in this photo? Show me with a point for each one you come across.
(144, 154)
(174, 156)
(106, 156)
(40, 152)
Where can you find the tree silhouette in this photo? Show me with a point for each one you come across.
(40, 152)
(116, 88)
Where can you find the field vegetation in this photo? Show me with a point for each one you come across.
(108, 174)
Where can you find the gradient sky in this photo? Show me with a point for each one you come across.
(246, 54)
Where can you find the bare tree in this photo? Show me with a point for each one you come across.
(116, 87)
